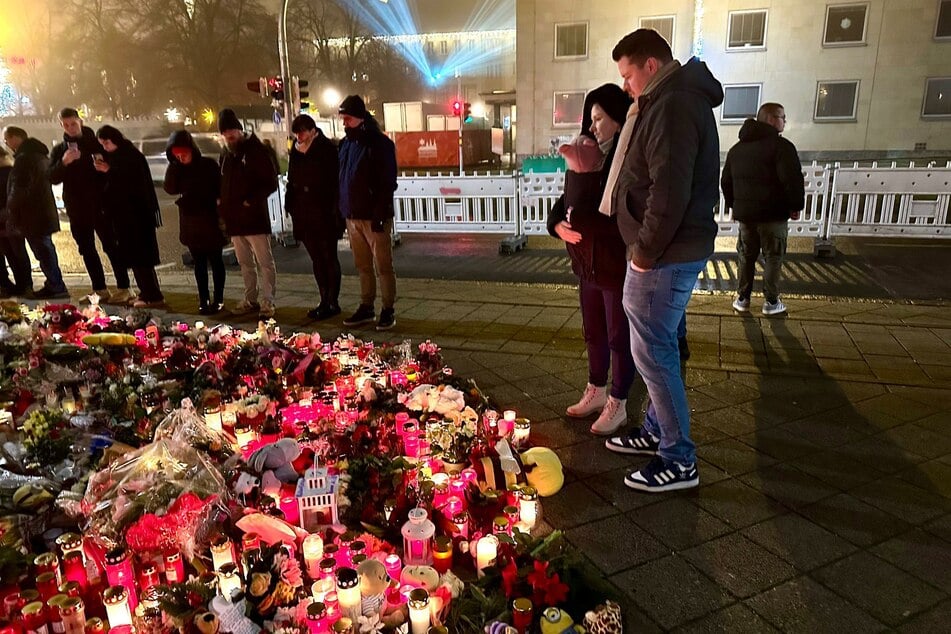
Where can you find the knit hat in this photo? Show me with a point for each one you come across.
(612, 99)
(228, 120)
(353, 105)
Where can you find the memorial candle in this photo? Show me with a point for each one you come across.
(313, 548)
(419, 611)
(486, 552)
(116, 600)
(442, 554)
(348, 592)
(393, 566)
(222, 552)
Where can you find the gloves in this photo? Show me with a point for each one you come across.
(377, 225)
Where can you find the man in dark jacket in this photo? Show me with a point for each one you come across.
(72, 164)
(32, 211)
(664, 194)
(762, 182)
(248, 179)
(367, 183)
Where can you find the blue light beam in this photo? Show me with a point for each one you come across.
(394, 18)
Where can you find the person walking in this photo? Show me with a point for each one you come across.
(31, 214)
(71, 163)
(311, 201)
(597, 255)
(248, 178)
(663, 187)
(22, 282)
(195, 180)
(132, 209)
(367, 183)
(763, 184)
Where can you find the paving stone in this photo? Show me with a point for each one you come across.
(616, 543)
(678, 522)
(902, 499)
(739, 565)
(799, 541)
(737, 504)
(736, 619)
(591, 458)
(879, 588)
(770, 412)
(920, 554)
(830, 429)
(891, 407)
(940, 527)
(854, 520)
(735, 457)
(709, 473)
(700, 402)
(703, 434)
(933, 476)
(880, 454)
(653, 584)
(779, 444)
(574, 505)
(610, 486)
(732, 421)
(730, 392)
(788, 485)
(918, 440)
(802, 605)
(835, 469)
(558, 433)
(935, 619)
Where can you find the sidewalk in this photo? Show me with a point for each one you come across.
(824, 441)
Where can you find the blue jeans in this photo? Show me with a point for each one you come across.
(45, 252)
(655, 302)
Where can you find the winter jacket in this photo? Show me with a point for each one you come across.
(131, 206)
(312, 190)
(82, 184)
(4, 212)
(762, 178)
(367, 174)
(30, 203)
(668, 185)
(247, 180)
(197, 188)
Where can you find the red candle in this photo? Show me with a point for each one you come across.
(522, 614)
(75, 569)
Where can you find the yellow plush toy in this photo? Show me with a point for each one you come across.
(557, 621)
(543, 470)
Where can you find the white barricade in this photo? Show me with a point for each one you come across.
(537, 193)
(476, 203)
(282, 227)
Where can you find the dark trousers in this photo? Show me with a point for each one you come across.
(13, 249)
(148, 283)
(607, 337)
(770, 238)
(323, 253)
(202, 260)
(45, 252)
(85, 237)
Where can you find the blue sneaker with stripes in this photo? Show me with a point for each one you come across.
(641, 442)
(660, 475)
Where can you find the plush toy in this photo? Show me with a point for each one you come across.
(373, 583)
(498, 627)
(543, 470)
(207, 623)
(557, 621)
(277, 457)
(604, 619)
(582, 154)
(539, 466)
(420, 577)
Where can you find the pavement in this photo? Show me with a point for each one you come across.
(824, 444)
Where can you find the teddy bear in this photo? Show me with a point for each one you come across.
(557, 621)
(420, 577)
(278, 458)
(604, 619)
(373, 583)
(543, 470)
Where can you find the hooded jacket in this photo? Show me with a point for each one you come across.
(762, 178)
(197, 186)
(82, 184)
(313, 189)
(31, 207)
(367, 174)
(131, 206)
(247, 180)
(668, 185)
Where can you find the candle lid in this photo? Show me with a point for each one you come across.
(69, 541)
(56, 600)
(522, 604)
(347, 578)
(70, 606)
(316, 610)
(418, 597)
(220, 542)
(46, 560)
(32, 609)
(114, 595)
(228, 570)
(95, 625)
(529, 493)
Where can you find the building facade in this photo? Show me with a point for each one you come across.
(857, 79)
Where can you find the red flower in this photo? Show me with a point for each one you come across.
(510, 579)
(546, 590)
(539, 576)
(556, 592)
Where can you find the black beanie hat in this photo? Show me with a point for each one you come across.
(612, 99)
(228, 120)
(353, 105)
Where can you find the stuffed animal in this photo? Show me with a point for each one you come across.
(373, 584)
(420, 577)
(277, 457)
(498, 627)
(539, 466)
(557, 621)
(604, 619)
(543, 470)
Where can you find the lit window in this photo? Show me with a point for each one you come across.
(571, 40)
(567, 108)
(836, 100)
(747, 30)
(845, 25)
(663, 24)
(942, 27)
(937, 97)
(740, 102)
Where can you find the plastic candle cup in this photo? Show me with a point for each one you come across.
(221, 552)
(229, 581)
(522, 614)
(486, 551)
(317, 618)
(116, 600)
(528, 506)
(174, 567)
(313, 547)
(523, 429)
(290, 509)
(348, 592)
(419, 611)
(393, 565)
(213, 418)
(442, 554)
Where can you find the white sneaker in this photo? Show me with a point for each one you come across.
(612, 417)
(593, 399)
(741, 305)
(774, 308)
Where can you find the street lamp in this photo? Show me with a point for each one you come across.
(332, 98)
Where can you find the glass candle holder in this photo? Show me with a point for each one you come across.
(528, 507)
(74, 569)
(116, 600)
(213, 417)
(522, 614)
(119, 572)
(148, 576)
(317, 618)
(48, 562)
(46, 585)
(486, 552)
(290, 509)
(222, 552)
(419, 611)
(348, 592)
(511, 513)
(174, 567)
(501, 526)
(442, 554)
(521, 432)
(313, 547)
(393, 566)
(33, 616)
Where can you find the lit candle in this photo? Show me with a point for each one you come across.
(313, 548)
(119, 572)
(348, 592)
(419, 611)
(442, 554)
(461, 520)
(213, 417)
(317, 618)
(522, 614)
(507, 423)
(393, 566)
(244, 435)
(174, 567)
(229, 581)
(401, 419)
(486, 551)
(523, 429)
(71, 542)
(453, 506)
(74, 569)
(221, 552)
(469, 475)
(440, 494)
(528, 506)
(116, 600)
(290, 509)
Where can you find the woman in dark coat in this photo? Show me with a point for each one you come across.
(311, 201)
(132, 208)
(598, 258)
(196, 181)
(23, 281)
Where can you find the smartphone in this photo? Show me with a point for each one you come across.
(72, 145)
(97, 158)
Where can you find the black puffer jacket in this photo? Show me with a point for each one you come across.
(312, 190)
(131, 206)
(197, 188)
(82, 184)
(30, 203)
(247, 180)
(762, 177)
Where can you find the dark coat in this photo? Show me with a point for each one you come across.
(367, 174)
(668, 186)
(312, 190)
(30, 202)
(131, 206)
(248, 178)
(4, 212)
(82, 184)
(197, 188)
(762, 178)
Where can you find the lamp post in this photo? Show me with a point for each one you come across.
(285, 66)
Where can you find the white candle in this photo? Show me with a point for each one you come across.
(348, 592)
(523, 429)
(419, 611)
(221, 553)
(313, 548)
(229, 581)
(116, 600)
(528, 507)
(213, 418)
(486, 552)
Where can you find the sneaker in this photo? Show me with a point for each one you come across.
(684, 348)
(266, 311)
(387, 319)
(147, 303)
(593, 399)
(741, 304)
(211, 309)
(245, 307)
(641, 443)
(774, 308)
(122, 296)
(323, 312)
(659, 475)
(612, 417)
(47, 293)
(363, 315)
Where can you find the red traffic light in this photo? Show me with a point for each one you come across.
(457, 108)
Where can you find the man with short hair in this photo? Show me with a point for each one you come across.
(31, 212)
(763, 184)
(248, 178)
(663, 187)
(72, 164)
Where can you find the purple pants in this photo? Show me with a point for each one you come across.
(607, 337)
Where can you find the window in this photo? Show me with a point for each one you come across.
(740, 102)
(836, 100)
(663, 24)
(747, 30)
(942, 27)
(937, 97)
(845, 25)
(571, 40)
(567, 108)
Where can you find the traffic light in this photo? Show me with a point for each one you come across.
(467, 115)
(457, 108)
(276, 86)
(299, 95)
(260, 86)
